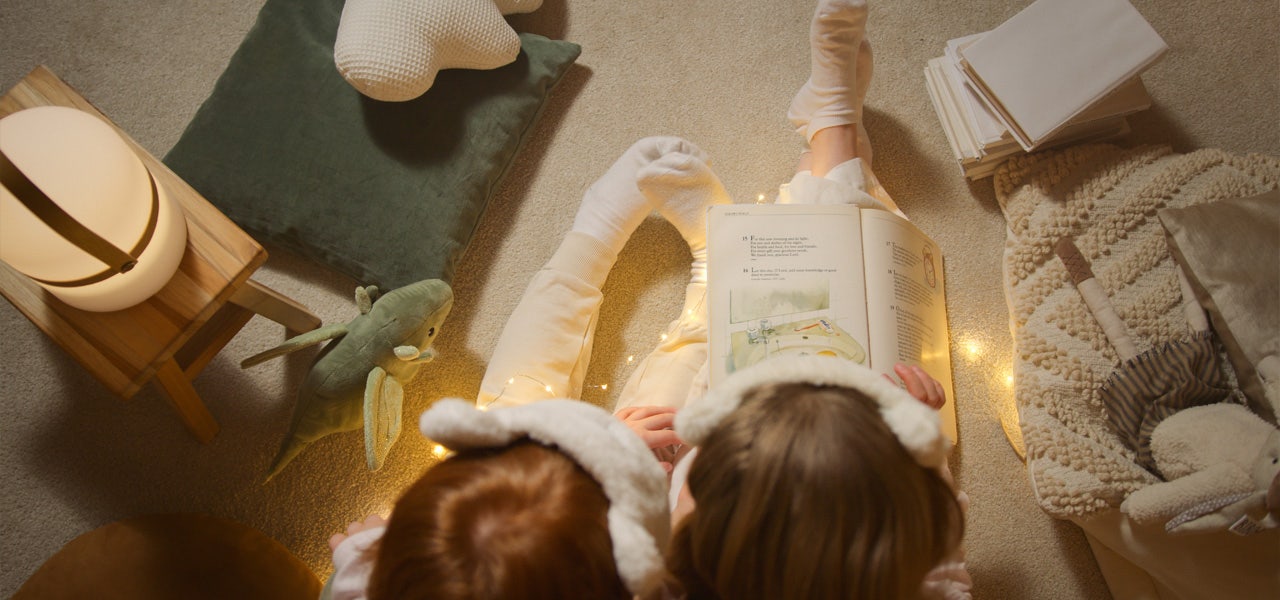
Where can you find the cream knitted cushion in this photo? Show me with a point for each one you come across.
(392, 49)
(1105, 198)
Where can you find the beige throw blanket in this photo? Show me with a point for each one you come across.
(1106, 198)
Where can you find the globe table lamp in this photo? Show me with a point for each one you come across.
(79, 212)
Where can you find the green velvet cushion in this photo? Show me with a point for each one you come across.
(388, 193)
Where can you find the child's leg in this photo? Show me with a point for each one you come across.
(684, 188)
(831, 147)
(847, 179)
(545, 347)
(670, 373)
(839, 71)
(827, 110)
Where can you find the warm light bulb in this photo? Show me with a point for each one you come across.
(548, 388)
(604, 386)
(511, 381)
(760, 199)
(664, 337)
(973, 348)
(439, 451)
(631, 359)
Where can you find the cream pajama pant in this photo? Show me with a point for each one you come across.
(545, 346)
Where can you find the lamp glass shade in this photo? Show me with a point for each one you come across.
(87, 169)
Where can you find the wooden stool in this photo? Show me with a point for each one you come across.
(188, 556)
(175, 333)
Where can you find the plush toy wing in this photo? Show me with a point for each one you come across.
(296, 343)
(383, 398)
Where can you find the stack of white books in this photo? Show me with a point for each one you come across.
(1059, 72)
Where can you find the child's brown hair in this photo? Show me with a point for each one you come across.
(804, 491)
(523, 521)
(555, 499)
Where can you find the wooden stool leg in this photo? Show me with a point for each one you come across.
(182, 396)
(275, 306)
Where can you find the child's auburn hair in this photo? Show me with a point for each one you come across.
(522, 521)
(805, 492)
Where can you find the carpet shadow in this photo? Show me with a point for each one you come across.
(476, 266)
(655, 257)
(904, 168)
(548, 20)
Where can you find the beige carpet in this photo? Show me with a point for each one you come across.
(72, 458)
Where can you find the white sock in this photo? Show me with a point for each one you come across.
(684, 187)
(840, 68)
(613, 207)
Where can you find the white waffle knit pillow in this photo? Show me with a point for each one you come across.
(392, 49)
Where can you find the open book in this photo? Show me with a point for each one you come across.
(836, 280)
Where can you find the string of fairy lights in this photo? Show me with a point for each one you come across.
(440, 452)
(970, 350)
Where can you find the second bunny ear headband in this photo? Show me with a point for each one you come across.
(639, 521)
(917, 427)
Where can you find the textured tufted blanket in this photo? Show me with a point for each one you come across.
(1106, 198)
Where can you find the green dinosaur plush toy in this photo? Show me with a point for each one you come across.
(357, 379)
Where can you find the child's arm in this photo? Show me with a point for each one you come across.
(949, 580)
(353, 559)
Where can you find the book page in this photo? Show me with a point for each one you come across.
(784, 279)
(986, 126)
(906, 302)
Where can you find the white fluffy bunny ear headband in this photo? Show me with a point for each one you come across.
(639, 521)
(917, 426)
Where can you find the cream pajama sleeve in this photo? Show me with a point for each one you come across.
(547, 340)
(676, 369)
(850, 182)
(545, 346)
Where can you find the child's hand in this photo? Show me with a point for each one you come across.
(355, 527)
(652, 423)
(920, 385)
